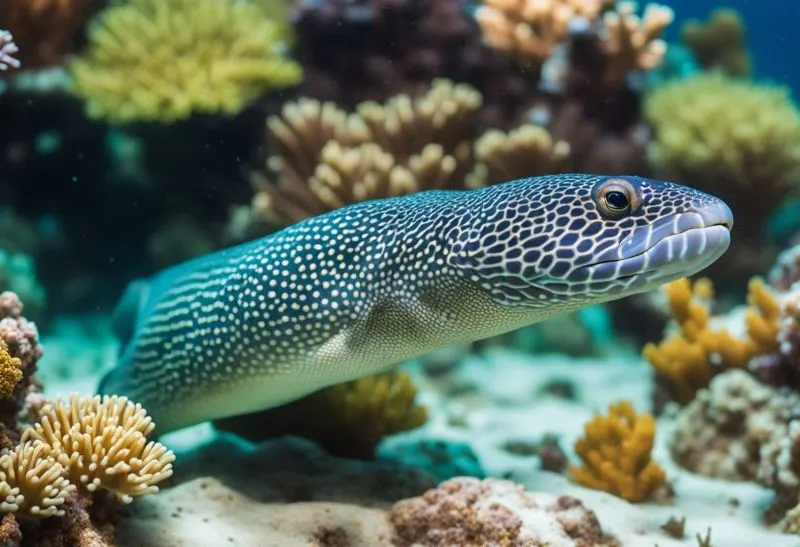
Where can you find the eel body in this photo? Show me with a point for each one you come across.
(358, 290)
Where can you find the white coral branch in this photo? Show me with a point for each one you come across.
(7, 49)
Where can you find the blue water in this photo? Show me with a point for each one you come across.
(772, 29)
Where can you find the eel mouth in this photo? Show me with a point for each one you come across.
(674, 247)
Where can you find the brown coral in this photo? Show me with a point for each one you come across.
(472, 513)
(102, 443)
(616, 452)
(47, 30)
(720, 43)
(688, 359)
(327, 158)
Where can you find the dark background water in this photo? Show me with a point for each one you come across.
(773, 32)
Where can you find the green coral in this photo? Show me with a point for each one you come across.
(164, 60)
(730, 137)
(348, 420)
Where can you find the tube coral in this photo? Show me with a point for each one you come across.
(616, 452)
(163, 60)
(102, 443)
(32, 481)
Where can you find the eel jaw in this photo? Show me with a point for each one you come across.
(678, 246)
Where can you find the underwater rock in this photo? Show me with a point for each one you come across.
(729, 427)
(466, 511)
(443, 459)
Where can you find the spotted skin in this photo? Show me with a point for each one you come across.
(355, 291)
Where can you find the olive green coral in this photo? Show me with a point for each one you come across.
(163, 60)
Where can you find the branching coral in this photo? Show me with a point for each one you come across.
(327, 158)
(632, 43)
(7, 50)
(688, 359)
(721, 43)
(47, 30)
(32, 481)
(534, 32)
(102, 444)
(348, 419)
(616, 452)
(531, 30)
(737, 140)
(163, 60)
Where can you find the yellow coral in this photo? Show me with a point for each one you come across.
(616, 453)
(163, 60)
(690, 358)
(32, 481)
(102, 443)
(734, 139)
(10, 371)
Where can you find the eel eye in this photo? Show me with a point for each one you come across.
(616, 198)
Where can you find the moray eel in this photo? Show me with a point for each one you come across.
(355, 291)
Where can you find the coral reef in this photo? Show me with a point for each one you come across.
(688, 359)
(348, 419)
(327, 158)
(20, 338)
(616, 452)
(47, 30)
(471, 513)
(229, 55)
(720, 43)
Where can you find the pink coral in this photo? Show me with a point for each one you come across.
(469, 512)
